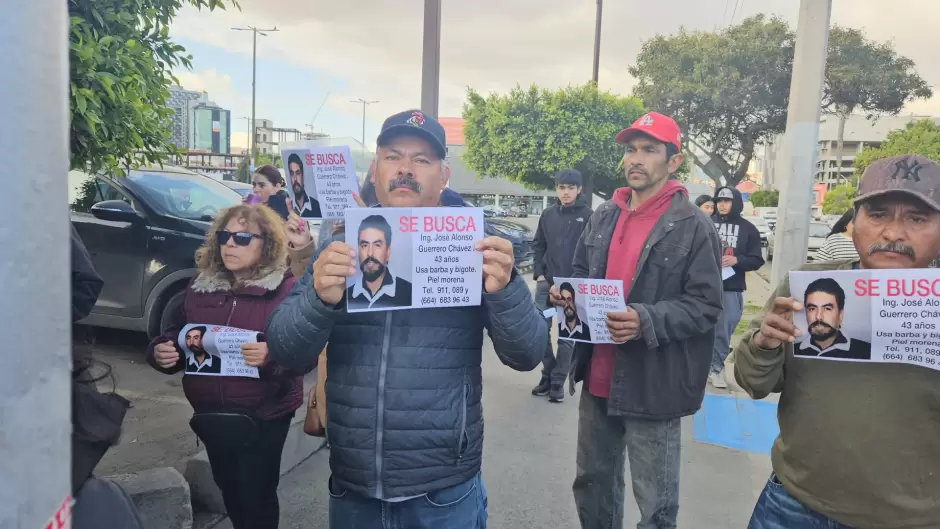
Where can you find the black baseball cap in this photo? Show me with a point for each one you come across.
(415, 122)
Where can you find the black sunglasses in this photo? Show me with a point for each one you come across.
(241, 238)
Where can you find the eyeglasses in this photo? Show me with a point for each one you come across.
(241, 238)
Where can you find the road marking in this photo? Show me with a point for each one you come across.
(742, 424)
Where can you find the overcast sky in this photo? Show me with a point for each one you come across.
(372, 49)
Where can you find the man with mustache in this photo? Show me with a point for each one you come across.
(405, 411)
(636, 391)
(306, 207)
(571, 326)
(824, 303)
(378, 289)
(201, 361)
(858, 440)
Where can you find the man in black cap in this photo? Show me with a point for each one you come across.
(560, 227)
(858, 440)
(405, 415)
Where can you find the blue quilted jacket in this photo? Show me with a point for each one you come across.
(404, 388)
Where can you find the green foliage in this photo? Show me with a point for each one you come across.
(838, 200)
(120, 60)
(529, 134)
(268, 159)
(727, 90)
(764, 198)
(921, 137)
(868, 76)
(241, 172)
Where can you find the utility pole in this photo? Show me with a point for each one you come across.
(252, 132)
(431, 59)
(364, 104)
(35, 295)
(798, 153)
(597, 40)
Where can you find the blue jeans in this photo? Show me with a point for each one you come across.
(732, 309)
(462, 506)
(604, 445)
(776, 509)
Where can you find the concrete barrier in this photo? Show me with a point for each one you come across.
(161, 496)
(206, 495)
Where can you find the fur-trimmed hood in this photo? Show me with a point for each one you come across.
(268, 279)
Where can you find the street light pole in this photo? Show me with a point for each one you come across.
(431, 59)
(252, 147)
(364, 104)
(35, 382)
(597, 40)
(798, 153)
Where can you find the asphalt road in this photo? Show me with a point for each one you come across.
(529, 465)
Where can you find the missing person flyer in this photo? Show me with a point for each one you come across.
(216, 350)
(876, 316)
(586, 302)
(321, 180)
(414, 258)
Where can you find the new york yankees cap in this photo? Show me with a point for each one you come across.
(912, 174)
(417, 123)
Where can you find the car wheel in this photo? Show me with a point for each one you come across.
(168, 313)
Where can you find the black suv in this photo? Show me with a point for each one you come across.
(142, 232)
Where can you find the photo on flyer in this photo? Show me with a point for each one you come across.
(877, 316)
(301, 184)
(583, 315)
(414, 258)
(214, 350)
(321, 180)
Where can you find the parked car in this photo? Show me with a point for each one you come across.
(142, 232)
(765, 234)
(520, 236)
(519, 211)
(493, 211)
(241, 188)
(818, 231)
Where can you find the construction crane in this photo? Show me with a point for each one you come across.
(314, 118)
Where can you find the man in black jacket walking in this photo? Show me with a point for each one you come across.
(560, 227)
(741, 253)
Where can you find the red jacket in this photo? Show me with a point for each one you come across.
(211, 300)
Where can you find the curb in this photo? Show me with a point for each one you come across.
(161, 496)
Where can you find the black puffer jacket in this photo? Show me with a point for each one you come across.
(559, 229)
(739, 238)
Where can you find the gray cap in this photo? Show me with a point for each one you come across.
(912, 174)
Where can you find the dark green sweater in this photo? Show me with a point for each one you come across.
(859, 443)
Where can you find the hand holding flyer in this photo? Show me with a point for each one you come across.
(586, 304)
(216, 350)
(414, 258)
(876, 316)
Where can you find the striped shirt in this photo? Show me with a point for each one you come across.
(836, 248)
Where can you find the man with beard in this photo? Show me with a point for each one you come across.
(305, 206)
(201, 361)
(858, 440)
(824, 303)
(571, 326)
(405, 411)
(378, 289)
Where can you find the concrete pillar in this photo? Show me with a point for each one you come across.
(35, 306)
(798, 158)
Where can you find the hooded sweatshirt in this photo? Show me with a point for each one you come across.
(739, 238)
(559, 229)
(626, 246)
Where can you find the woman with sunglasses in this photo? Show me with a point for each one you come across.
(243, 422)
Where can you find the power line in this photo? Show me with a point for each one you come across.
(724, 14)
(735, 12)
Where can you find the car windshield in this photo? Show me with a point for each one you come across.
(183, 195)
(818, 230)
(759, 222)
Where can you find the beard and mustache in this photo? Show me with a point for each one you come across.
(374, 273)
(299, 192)
(571, 313)
(821, 330)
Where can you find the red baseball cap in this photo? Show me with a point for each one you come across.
(654, 125)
